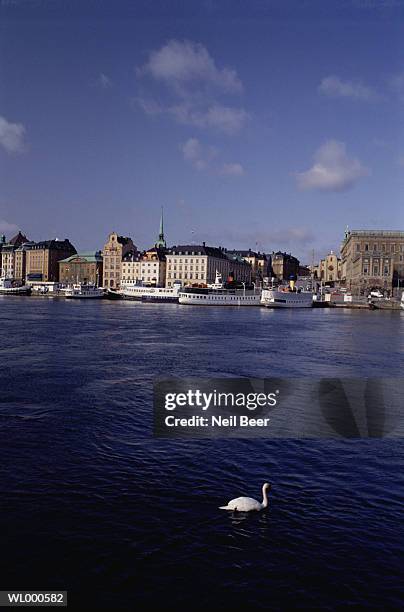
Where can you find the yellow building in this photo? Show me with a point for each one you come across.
(114, 251)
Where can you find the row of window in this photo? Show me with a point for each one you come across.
(375, 247)
(375, 271)
(191, 267)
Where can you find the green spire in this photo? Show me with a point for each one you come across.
(161, 243)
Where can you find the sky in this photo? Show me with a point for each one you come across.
(265, 125)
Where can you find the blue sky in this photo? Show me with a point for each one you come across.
(271, 125)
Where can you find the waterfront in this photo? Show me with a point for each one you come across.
(92, 504)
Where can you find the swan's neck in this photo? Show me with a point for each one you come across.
(264, 497)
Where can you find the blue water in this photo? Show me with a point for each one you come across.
(92, 504)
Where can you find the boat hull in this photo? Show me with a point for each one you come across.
(219, 299)
(286, 299)
(15, 291)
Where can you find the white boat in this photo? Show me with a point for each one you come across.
(286, 297)
(131, 291)
(217, 294)
(402, 300)
(84, 291)
(7, 287)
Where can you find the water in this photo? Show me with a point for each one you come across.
(91, 503)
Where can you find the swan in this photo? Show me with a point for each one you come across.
(246, 504)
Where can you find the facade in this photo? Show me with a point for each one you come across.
(42, 259)
(329, 269)
(148, 268)
(373, 259)
(20, 261)
(259, 262)
(197, 265)
(284, 265)
(8, 251)
(113, 253)
(81, 268)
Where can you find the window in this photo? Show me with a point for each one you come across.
(366, 247)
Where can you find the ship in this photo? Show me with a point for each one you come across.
(7, 287)
(217, 294)
(286, 297)
(132, 291)
(83, 291)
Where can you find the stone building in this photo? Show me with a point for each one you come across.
(81, 268)
(260, 263)
(42, 259)
(373, 259)
(284, 265)
(113, 253)
(197, 264)
(8, 250)
(148, 267)
(329, 269)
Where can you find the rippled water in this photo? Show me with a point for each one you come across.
(91, 503)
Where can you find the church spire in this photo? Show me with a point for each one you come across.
(161, 243)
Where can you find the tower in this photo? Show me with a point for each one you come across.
(161, 243)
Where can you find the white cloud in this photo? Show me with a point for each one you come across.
(8, 228)
(12, 136)
(332, 170)
(187, 62)
(335, 87)
(193, 88)
(232, 169)
(397, 84)
(104, 81)
(198, 155)
(202, 157)
(224, 118)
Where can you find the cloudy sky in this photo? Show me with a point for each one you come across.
(264, 124)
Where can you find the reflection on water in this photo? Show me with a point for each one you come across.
(92, 503)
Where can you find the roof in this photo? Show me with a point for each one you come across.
(248, 253)
(196, 249)
(18, 239)
(89, 257)
(55, 244)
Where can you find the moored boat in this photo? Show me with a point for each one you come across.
(84, 291)
(216, 294)
(286, 297)
(131, 291)
(7, 287)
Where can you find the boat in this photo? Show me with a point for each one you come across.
(84, 291)
(286, 297)
(7, 287)
(402, 300)
(217, 294)
(131, 291)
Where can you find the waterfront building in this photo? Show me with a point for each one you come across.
(113, 253)
(197, 264)
(148, 267)
(260, 263)
(2, 243)
(20, 261)
(284, 265)
(42, 259)
(81, 268)
(329, 269)
(373, 259)
(8, 250)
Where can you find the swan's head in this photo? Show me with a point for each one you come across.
(266, 486)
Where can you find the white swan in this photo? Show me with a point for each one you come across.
(246, 504)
